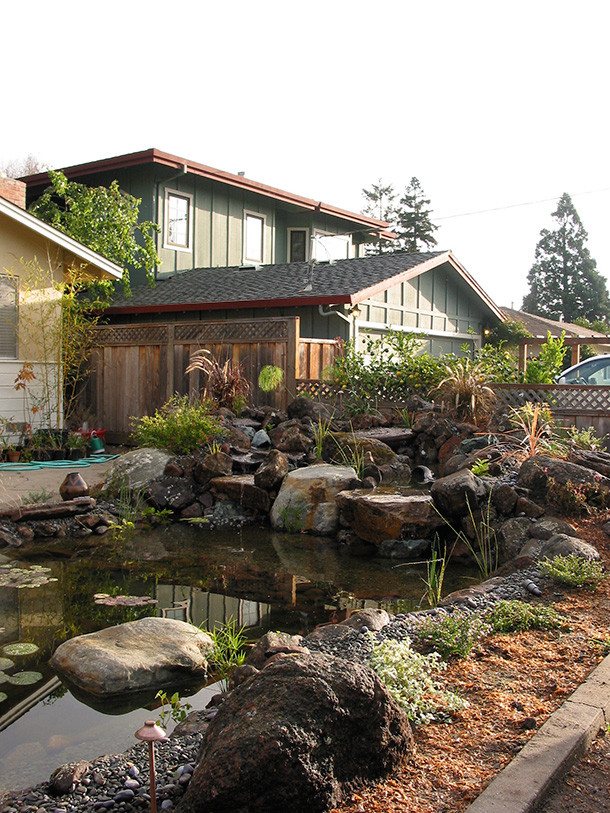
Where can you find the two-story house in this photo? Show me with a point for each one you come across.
(215, 219)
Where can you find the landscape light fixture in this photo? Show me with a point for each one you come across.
(151, 733)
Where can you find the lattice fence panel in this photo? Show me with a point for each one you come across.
(566, 398)
(316, 389)
(107, 335)
(251, 331)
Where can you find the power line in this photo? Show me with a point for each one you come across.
(519, 205)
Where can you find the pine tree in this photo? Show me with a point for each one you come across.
(380, 205)
(414, 228)
(564, 281)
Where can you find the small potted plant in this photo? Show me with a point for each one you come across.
(8, 429)
(76, 445)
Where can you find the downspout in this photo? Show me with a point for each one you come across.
(181, 174)
(351, 321)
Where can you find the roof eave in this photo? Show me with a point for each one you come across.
(60, 239)
(287, 302)
(174, 162)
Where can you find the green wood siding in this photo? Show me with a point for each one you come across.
(438, 302)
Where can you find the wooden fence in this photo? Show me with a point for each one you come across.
(571, 404)
(135, 369)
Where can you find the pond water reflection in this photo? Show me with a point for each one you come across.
(262, 580)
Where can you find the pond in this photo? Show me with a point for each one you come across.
(262, 580)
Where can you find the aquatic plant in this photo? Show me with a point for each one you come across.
(12, 575)
(229, 649)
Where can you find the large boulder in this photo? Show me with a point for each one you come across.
(298, 736)
(564, 545)
(457, 494)
(137, 469)
(292, 436)
(272, 470)
(241, 489)
(213, 464)
(376, 516)
(133, 657)
(342, 447)
(535, 473)
(307, 499)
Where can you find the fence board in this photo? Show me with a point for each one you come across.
(136, 368)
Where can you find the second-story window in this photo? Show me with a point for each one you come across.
(178, 217)
(297, 245)
(254, 238)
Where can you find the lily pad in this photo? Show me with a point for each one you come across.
(6, 663)
(3, 697)
(21, 648)
(12, 575)
(123, 601)
(3, 677)
(24, 678)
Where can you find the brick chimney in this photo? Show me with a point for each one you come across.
(13, 191)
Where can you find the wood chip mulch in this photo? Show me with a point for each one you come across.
(513, 685)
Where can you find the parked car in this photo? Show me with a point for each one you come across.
(595, 370)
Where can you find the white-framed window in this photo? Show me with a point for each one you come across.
(298, 245)
(8, 316)
(178, 232)
(254, 238)
(328, 246)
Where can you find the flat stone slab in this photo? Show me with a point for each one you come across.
(377, 515)
(523, 784)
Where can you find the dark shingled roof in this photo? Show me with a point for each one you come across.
(540, 325)
(286, 284)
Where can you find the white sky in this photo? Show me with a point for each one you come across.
(490, 105)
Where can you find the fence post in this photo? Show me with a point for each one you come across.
(171, 360)
(292, 359)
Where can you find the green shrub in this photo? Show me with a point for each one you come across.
(181, 426)
(452, 635)
(517, 616)
(574, 571)
(407, 676)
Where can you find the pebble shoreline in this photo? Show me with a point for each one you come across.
(119, 782)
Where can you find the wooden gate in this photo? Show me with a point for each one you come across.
(135, 369)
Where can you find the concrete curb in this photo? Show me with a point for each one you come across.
(522, 786)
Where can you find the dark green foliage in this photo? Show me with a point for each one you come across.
(380, 205)
(414, 228)
(518, 616)
(508, 333)
(564, 281)
(103, 218)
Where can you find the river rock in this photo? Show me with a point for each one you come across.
(307, 499)
(376, 516)
(298, 736)
(346, 446)
(139, 655)
(137, 469)
(171, 492)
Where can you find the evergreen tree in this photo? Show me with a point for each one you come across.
(564, 281)
(380, 205)
(414, 228)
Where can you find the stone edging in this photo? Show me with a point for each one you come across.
(524, 783)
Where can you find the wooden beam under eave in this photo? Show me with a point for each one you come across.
(522, 357)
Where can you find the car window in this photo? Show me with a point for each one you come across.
(592, 371)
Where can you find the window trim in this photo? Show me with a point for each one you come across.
(176, 193)
(288, 242)
(250, 260)
(15, 285)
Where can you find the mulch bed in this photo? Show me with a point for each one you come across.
(513, 684)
